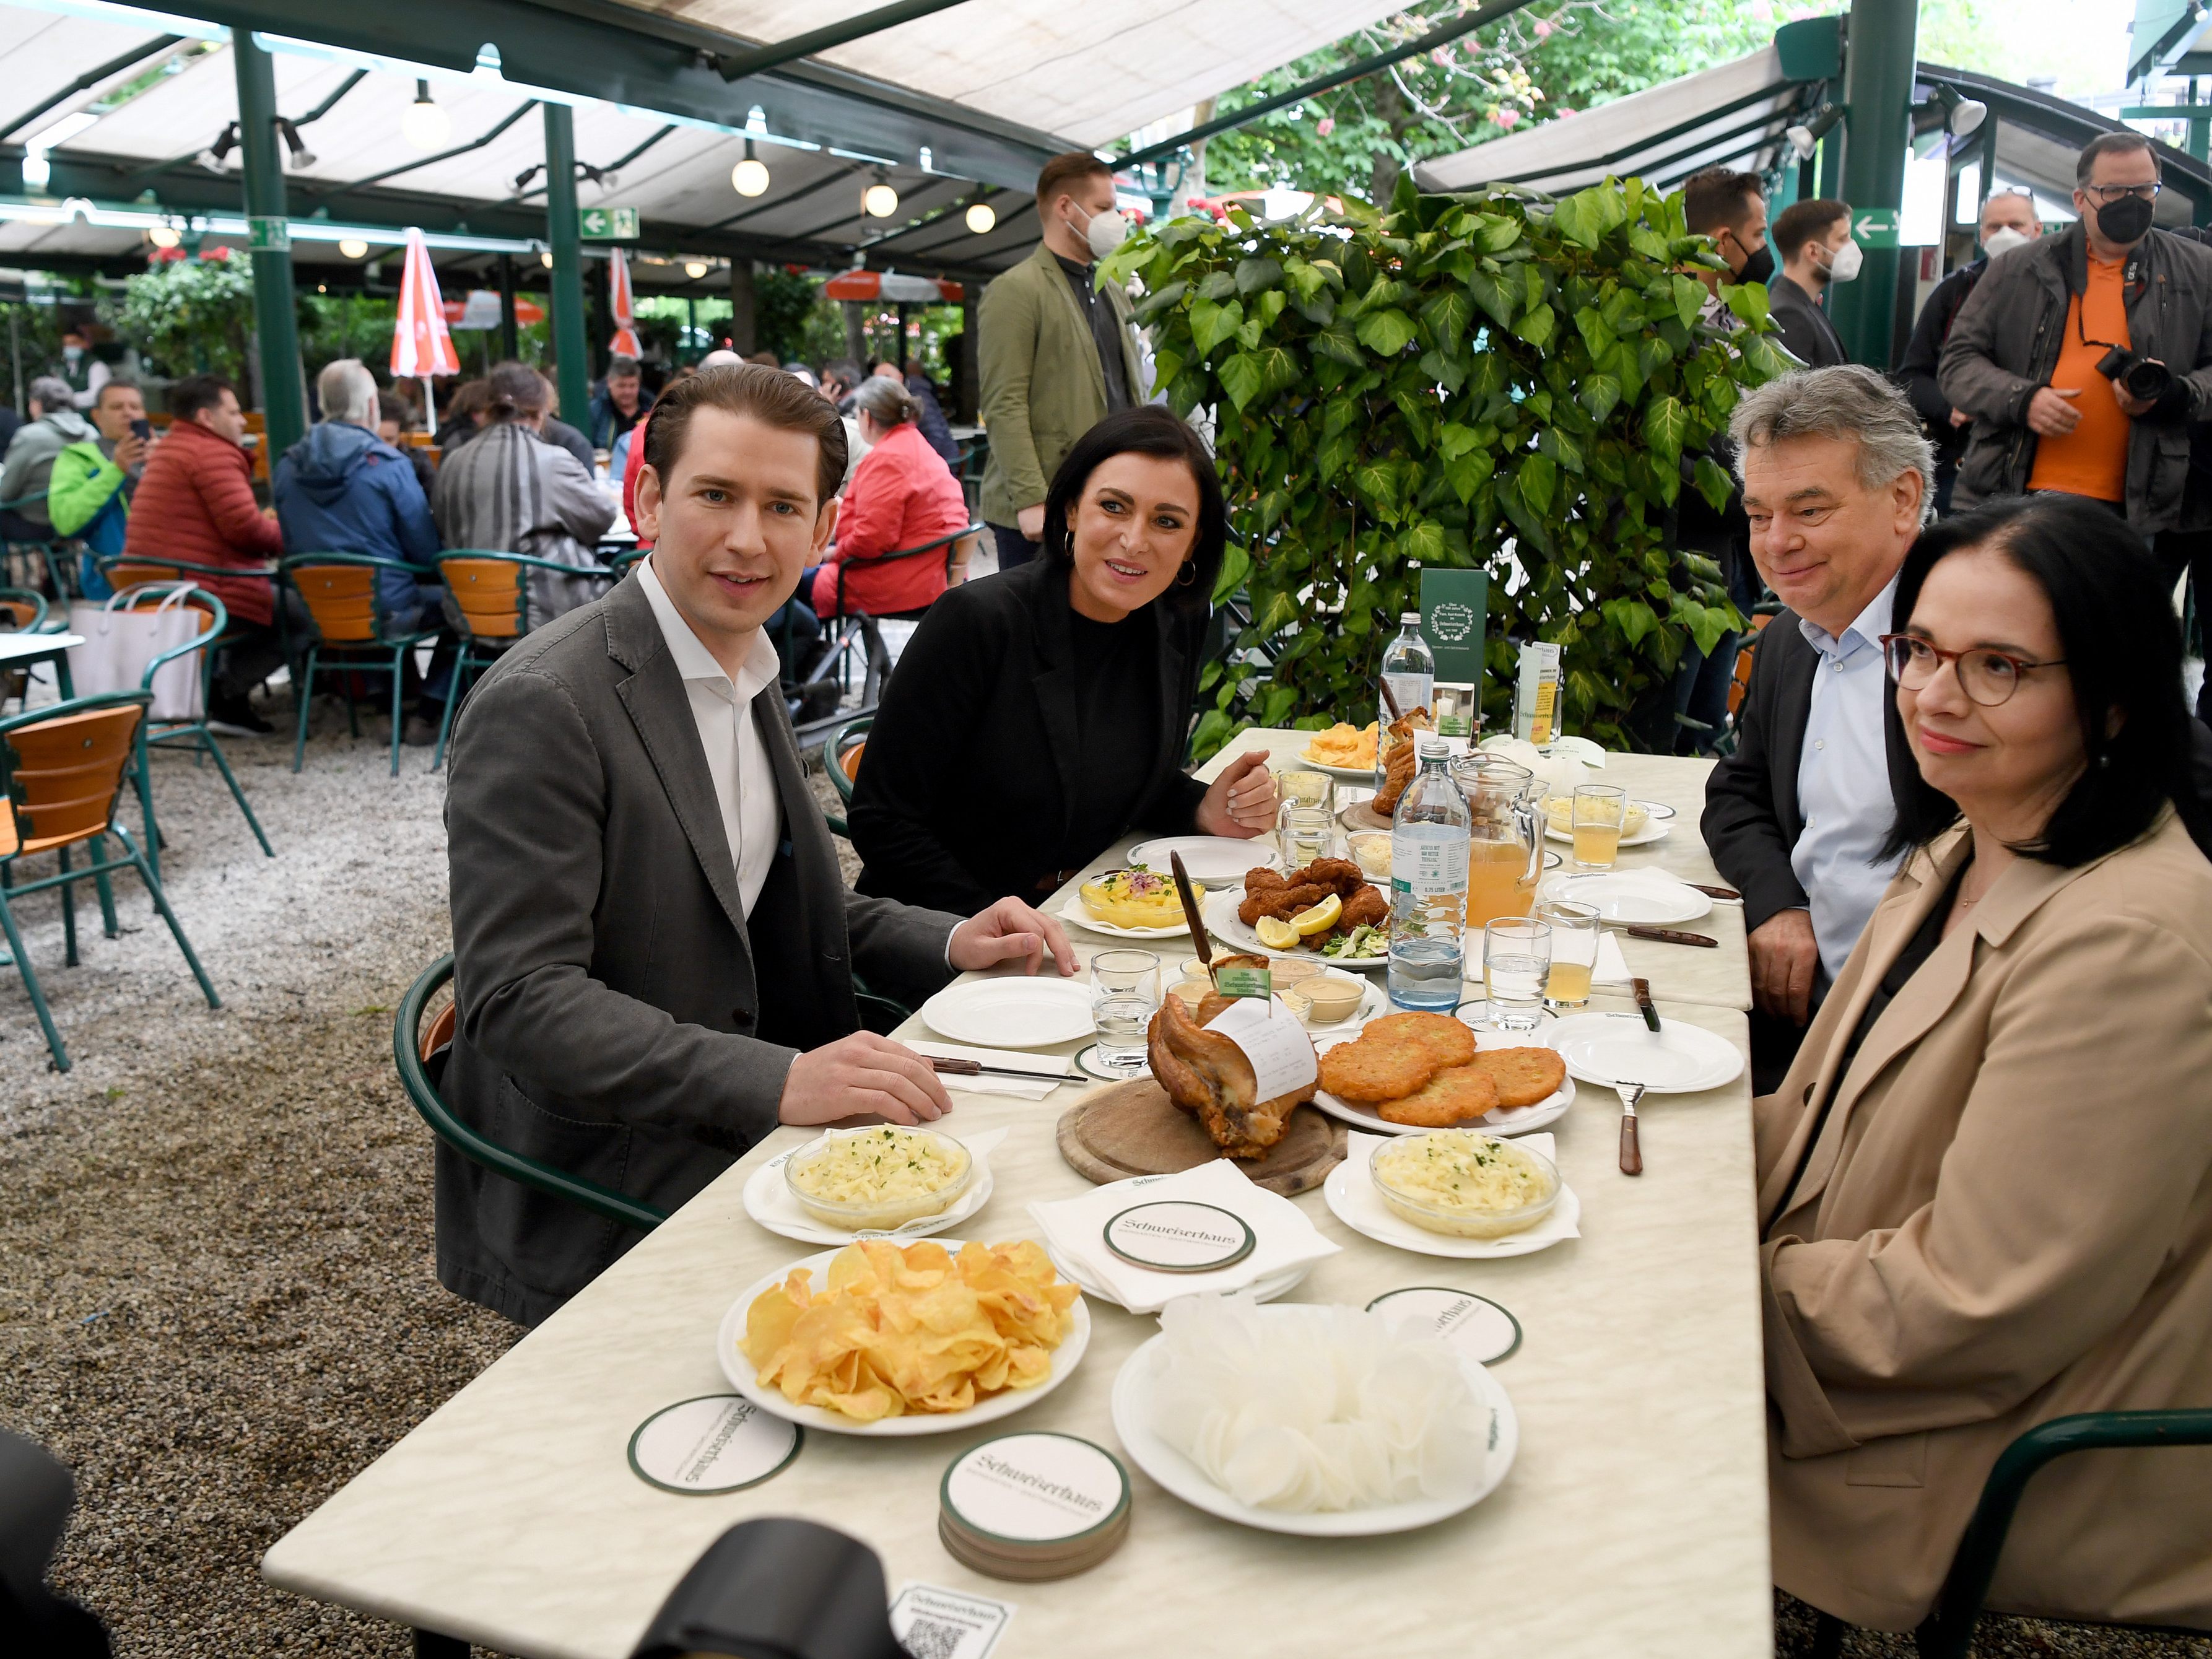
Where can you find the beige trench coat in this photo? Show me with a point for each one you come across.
(2006, 1218)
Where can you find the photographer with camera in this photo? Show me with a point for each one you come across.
(2084, 360)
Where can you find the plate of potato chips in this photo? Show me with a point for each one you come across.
(885, 1338)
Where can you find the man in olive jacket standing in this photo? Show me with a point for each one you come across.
(1058, 354)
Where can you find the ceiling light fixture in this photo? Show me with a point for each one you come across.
(695, 268)
(749, 177)
(353, 247)
(164, 236)
(425, 126)
(982, 218)
(879, 200)
(546, 258)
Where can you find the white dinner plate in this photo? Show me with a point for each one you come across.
(1210, 860)
(1359, 774)
(1011, 1010)
(1133, 1421)
(1077, 915)
(1351, 1197)
(1653, 830)
(767, 1201)
(1678, 1058)
(1505, 1120)
(1221, 921)
(747, 1381)
(1642, 896)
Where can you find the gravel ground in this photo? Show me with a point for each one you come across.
(217, 1297)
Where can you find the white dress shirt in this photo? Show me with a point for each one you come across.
(1843, 783)
(729, 731)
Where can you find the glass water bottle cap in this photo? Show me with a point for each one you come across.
(1409, 618)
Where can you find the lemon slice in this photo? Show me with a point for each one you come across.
(1320, 918)
(1276, 934)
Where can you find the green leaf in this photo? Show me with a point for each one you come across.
(1539, 478)
(1595, 332)
(1243, 377)
(1536, 327)
(1424, 541)
(1276, 702)
(1689, 298)
(1665, 425)
(1467, 474)
(1450, 317)
(1210, 324)
(1747, 300)
(1257, 273)
(1599, 393)
(1632, 616)
(1561, 448)
(1498, 232)
(1386, 333)
(1493, 295)
(1279, 365)
(1248, 335)
(1715, 485)
(1165, 300)
(1578, 220)
(1454, 441)
(1271, 305)
(1220, 286)
(1305, 279)
(1236, 565)
(1442, 370)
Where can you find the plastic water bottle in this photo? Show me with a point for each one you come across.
(1429, 835)
(1409, 668)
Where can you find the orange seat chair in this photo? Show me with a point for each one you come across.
(354, 633)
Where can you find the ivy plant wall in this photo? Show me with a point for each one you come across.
(1496, 380)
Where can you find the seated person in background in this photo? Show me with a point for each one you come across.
(54, 425)
(463, 417)
(344, 490)
(508, 492)
(622, 399)
(1985, 1186)
(195, 502)
(927, 416)
(394, 420)
(675, 978)
(628, 453)
(1039, 715)
(88, 494)
(902, 497)
(1836, 478)
(558, 433)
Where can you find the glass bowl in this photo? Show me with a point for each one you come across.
(879, 1214)
(1331, 999)
(1389, 1163)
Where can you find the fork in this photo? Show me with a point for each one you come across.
(1632, 1155)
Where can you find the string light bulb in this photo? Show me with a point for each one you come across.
(425, 126)
(164, 236)
(982, 218)
(879, 200)
(353, 247)
(546, 258)
(695, 268)
(749, 177)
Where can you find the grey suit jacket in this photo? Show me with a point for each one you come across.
(619, 1017)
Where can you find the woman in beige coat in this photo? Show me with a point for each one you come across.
(1985, 1186)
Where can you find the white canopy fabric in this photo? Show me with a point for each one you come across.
(1734, 112)
(1092, 71)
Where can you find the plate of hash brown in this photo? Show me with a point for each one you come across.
(1407, 1073)
(884, 1338)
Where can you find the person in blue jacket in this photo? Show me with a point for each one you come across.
(342, 489)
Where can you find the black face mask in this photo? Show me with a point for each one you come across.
(1759, 267)
(2126, 220)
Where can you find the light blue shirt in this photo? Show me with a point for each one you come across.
(1843, 783)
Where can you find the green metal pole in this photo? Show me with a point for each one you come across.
(1879, 59)
(572, 364)
(283, 387)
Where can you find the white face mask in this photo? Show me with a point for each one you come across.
(1843, 263)
(1107, 231)
(2003, 239)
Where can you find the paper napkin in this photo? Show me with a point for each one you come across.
(1612, 967)
(1282, 1236)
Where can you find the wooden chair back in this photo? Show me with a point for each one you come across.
(489, 594)
(440, 1031)
(63, 774)
(1740, 684)
(342, 600)
(16, 615)
(133, 573)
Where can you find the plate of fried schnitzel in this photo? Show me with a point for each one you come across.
(1360, 913)
(1407, 1073)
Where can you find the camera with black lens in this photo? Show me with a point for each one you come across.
(2147, 380)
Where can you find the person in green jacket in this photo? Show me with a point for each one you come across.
(88, 496)
(1057, 354)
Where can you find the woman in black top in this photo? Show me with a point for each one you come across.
(1039, 714)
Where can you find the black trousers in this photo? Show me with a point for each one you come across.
(1014, 548)
(2177, 550)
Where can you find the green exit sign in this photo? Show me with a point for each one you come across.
(607, 224)
(1876, 227)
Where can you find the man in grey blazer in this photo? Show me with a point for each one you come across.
(654, 951)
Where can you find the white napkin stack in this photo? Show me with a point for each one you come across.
(1283, 1238)
(1612, 967)
(1051, 1069)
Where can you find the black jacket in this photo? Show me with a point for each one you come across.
(621, 1017)
(1805, 327)
(967, 791)
(1916, 370)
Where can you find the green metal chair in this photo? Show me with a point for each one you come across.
(840, 759)
(62, 769)
(1948, 1632)
(492, 601)
(354, 634)
(622, 562)
(192, 733)
(415, 1052)
(49, 548)
(25, 611)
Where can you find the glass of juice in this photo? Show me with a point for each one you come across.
(1599, 809)
(1516, 960)
(1575, 930)
(1495, 883)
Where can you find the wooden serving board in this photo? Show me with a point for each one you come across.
(1132, 1128)
(1361, 815)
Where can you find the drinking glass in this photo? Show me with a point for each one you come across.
(1576, 931)
(1599, 809)
(1304, 787)
(1516, 961)
(1125, 995)
(1305, 833)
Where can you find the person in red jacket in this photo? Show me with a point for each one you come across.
(901, 495)
(196, 503)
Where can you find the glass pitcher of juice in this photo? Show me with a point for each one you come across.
(1505, 849)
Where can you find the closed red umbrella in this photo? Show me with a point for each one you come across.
(624, 308)
(421, 346)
